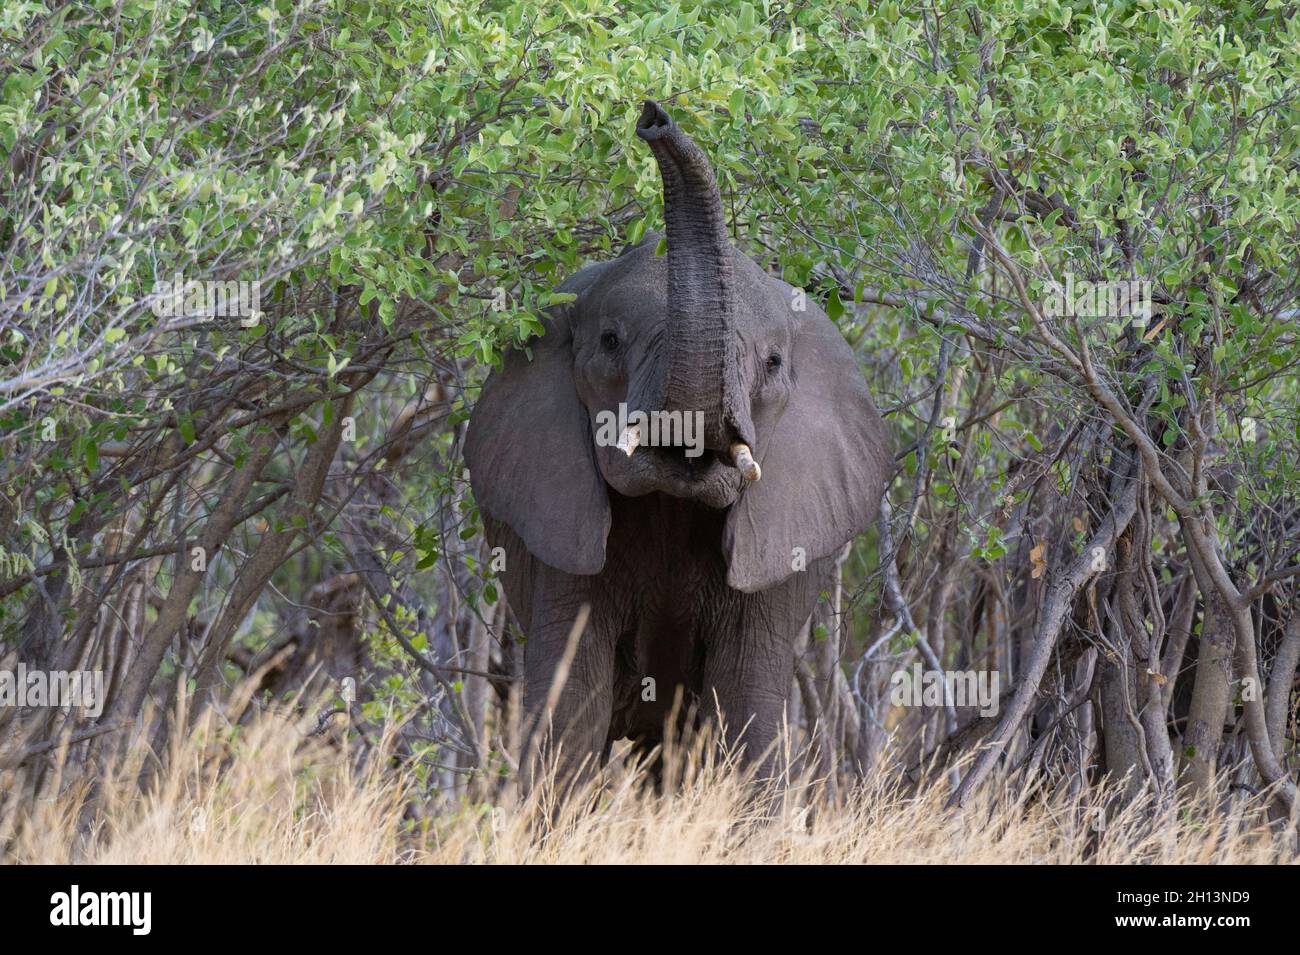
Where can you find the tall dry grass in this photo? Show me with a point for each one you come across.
(270, 793)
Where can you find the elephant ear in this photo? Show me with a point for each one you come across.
(530, 454)
(825, 465)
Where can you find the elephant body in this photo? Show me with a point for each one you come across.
(660, 610)
(698, 565)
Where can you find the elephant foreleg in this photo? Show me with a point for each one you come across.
(747, 682)
(749, 668)
(568, 689)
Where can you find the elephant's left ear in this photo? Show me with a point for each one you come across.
(825, 465)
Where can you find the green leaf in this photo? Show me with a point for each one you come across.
(834, 307)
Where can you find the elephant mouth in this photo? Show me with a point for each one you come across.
(706, 478)
(680, 464)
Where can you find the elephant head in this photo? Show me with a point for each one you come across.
(791, 444)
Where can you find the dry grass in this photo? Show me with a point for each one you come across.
(270, 797)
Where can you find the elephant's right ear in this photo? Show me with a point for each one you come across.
(531, 459)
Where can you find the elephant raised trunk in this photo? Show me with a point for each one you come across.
(699, 366)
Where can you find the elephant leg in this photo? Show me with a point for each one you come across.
(749, 692)
(747, 678)
(566, 715)
(647, 752)
(749, 668)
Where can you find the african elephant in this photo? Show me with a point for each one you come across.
(699, 563)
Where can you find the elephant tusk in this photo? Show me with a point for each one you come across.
(629, 440)
(745, 462)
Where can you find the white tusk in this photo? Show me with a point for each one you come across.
(629, 439)
(745, 462)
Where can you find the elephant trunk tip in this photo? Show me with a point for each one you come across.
(654, 122)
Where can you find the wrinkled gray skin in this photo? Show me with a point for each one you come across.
(687, 567)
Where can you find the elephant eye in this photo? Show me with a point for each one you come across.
(609, 341)
(773, 361)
